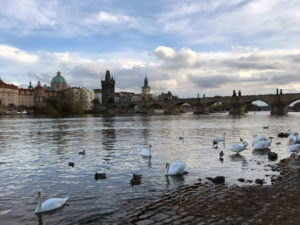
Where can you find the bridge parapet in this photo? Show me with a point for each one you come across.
(278, 103)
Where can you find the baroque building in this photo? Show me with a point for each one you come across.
(58, 82)
(108, 89)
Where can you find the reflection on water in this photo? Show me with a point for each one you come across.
(34, 155)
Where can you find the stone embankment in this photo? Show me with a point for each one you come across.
(207, 203)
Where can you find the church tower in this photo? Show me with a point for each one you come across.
(108, 89)
(145, 89)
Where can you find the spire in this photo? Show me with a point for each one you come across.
(58, 73)
(39, 83)
(146, 81)
(107, 75)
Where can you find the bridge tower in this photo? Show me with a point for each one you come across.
(108, 89)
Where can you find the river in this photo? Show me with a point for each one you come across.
(35, 152)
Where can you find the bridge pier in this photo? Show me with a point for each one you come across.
(279, 109)
(236, 107)
(201, 109)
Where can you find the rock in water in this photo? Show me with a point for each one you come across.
(217, 180)
(272, 155)
(260, 181)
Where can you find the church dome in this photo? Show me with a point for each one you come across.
(58, 79)
(58, 82)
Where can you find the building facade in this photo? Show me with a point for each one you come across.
(9, 94)
(98, 95)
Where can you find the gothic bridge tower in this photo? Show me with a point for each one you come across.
(108, 89)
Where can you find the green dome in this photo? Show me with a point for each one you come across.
(58, 79)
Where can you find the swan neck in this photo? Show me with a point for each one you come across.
(38, 209)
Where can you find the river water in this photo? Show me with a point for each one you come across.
(35, 152)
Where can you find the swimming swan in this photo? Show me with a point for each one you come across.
(146, 152)
(49, 204)
(176, 168)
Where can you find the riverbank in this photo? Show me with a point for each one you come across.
(206, 203)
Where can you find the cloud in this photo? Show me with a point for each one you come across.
(185, 57)
(184, 72)
(12, 54)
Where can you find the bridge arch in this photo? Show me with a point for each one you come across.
(156, 108)
(131, 108)
(217, 105)
(292, 105)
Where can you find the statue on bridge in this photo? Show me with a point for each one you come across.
(234, 93)
(240, 93)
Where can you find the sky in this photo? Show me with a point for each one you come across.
(186, 47)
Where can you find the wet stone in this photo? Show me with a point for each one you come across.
(160, 217)
(147, 215)
(145, 222)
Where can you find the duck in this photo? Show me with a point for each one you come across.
(49, 204)
(294, 148)
(100, 176)
(221, 154)
(266, 126)
(219, 139)
(136, 179)
(181, 137)
(146, 152)
(82, 153)
(262, 145)
(176, 168)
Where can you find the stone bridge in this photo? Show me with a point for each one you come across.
(278, 104)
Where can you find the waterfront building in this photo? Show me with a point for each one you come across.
(26, 96)
(9, 94)
(117, 98)
(98, 95)
(80, 95)
(87, 96)
(58, 82)
(135, 98)
(166, 96)
(108, 89)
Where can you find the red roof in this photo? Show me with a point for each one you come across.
(5, 85)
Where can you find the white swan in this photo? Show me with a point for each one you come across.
(245, 143)
(219, 139)
(181, 137)
(294, 139)
(294, 148)
(49, 204)
(176, 168)
(258, 138)
(262, 145)
(146, 152)
(237, 148)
